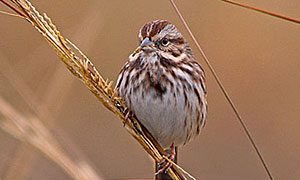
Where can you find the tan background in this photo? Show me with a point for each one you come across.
(256, 56)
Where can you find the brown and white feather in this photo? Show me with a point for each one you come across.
(165, 87)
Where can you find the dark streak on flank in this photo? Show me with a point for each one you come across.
(127, 81)
(185, 99)
(185, 121)
(121, 79)
(198, 95)
(198, 121)
(202, 120)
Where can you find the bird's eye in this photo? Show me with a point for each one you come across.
(165, 42)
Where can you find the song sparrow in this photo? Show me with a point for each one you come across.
(163, 85)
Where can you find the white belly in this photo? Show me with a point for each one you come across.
(173, 116)
(165, 117)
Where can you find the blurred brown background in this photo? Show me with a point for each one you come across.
(256, 56)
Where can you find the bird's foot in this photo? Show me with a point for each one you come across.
(164, 165)
(128, 114)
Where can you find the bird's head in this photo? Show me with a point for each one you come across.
(163, 37)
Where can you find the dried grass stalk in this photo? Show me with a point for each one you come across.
(83, 68)
(31, 131)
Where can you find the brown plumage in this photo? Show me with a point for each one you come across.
(164, 86)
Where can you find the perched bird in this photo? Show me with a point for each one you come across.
(164, 86)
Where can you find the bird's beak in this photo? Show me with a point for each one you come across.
(145, 45)
(146, 42)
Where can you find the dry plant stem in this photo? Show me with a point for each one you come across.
(223, 90)
(83, 68)
(174, 164)
(263, 11)
(31, 131)
(42, 113)
(10, 14)
(13, 8)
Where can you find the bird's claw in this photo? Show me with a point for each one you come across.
(164, 165)
(128, 114)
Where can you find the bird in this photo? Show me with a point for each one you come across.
(163, 85)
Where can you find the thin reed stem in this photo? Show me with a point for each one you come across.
(229, 100)
(264, 11)
(10, 14)
(13, 8)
